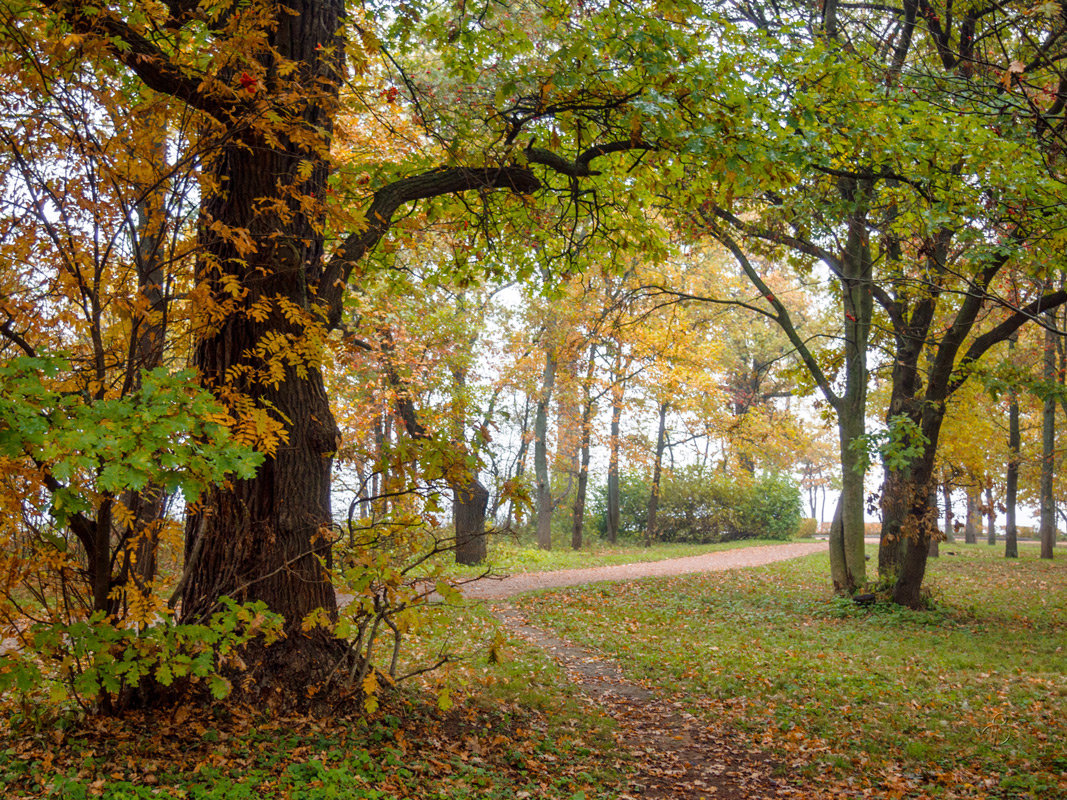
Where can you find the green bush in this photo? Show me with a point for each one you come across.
(634, 492)
(702, 507)
(807, 528)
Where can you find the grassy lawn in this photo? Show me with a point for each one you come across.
(968, 700)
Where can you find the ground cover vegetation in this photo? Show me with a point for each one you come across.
(963, 700)
(304, 301)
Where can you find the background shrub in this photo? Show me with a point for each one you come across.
(700, 506)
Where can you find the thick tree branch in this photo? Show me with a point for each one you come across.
(795, 242)
(1003, 331)
(436, 183)
(388, 200)
(960, 328)
(581, 166)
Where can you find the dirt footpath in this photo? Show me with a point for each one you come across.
(493, 588)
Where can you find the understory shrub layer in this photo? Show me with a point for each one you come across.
(701, 506)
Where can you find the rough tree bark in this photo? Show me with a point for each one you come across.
(468, 515)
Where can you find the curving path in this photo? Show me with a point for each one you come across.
(494, 588)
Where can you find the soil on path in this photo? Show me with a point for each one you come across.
(494, 587)
(676, 755)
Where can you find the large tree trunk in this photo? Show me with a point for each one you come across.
(265, 538)
(1011, 483)
(1048, 450)
(544, 489)
(653, 498)
(468, 515)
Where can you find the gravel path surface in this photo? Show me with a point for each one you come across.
(493, 588)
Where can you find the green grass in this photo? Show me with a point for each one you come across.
(966, 700)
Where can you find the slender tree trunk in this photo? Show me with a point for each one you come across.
(653, 499)
(946, 491)
(583, 468)
(991, 514)
(1011, 533)
(1048, 451)
(567, 461)
(145, 506)
(614, 439)
(848, 557)
(934, 551)
(974, 520)
(544, 488)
